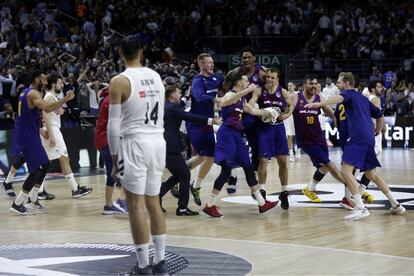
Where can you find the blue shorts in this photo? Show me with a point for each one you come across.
(231, 148)
(272, 140)
(362, 157)
(202, 140)
(318, 153)
(250, 130)
(35, 158)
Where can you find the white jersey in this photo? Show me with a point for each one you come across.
(143, 111)
(54, 116)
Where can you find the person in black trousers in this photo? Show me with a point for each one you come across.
(173, 116)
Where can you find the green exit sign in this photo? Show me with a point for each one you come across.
(264, 60)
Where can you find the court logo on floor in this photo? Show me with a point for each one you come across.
(331, 194)
(110, 259)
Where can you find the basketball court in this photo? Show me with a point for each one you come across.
(73, 238)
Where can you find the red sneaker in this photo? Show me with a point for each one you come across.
(212, 211)
(347, 204)
(267, 206)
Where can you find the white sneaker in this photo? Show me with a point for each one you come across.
(399, 210)
(358, 214)
(291, 158)
(36, 206)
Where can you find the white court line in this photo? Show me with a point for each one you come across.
(232, 240)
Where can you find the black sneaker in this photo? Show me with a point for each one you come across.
(185, 212)
(160, 268)
(8, 188)
(136, 270)
(81, 191)
(263, 192)
(175, 190)
(19, 209)
(284, 201)
(231, 187)
(196, 194)
(45, 196)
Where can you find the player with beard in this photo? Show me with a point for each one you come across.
(310, 136)
(27, 135)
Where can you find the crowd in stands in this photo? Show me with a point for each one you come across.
(80, 40)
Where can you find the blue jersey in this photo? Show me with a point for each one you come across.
(342, 124)
(276, 99)
(359, 110)
(232, 115)
(26, 128)
(203, 91)
(307, 126)
(254, 78)
(388, 78)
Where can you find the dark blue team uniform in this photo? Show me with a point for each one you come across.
(359, 149)
(203, 91)
(250, 122)
(230, 147)
(27, 134)
(342, 124)
(272, 136)
(309, 134)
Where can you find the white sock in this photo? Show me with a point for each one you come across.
(72, 182)
(358, 201)
(362, 188)
(159, 246)
(142, 254)
(212, 200)
(312, 185)
(392, 200)
(291, 152)
(233, 173)
(10, 177)
(33, 194)
(284, 188)
(261, 186)
(347, 193)
(21, 198)
(359, 176)
(41, 188)
(259, 198)
(197, 182)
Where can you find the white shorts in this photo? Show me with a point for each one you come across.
(378, 144)
(289, 126)
(60, 147)
(141, 162)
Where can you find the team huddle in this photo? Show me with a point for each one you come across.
(251, 103)
(255, 106)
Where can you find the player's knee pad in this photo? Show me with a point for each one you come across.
(30, 181)
(364, 180)
(18, 161)
(223, 176)
(318, 176)
(41, 173)
(250, 176)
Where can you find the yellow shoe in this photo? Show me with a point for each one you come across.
(311, 195)
(367, 197)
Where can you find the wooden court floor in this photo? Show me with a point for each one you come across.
(306, 240)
